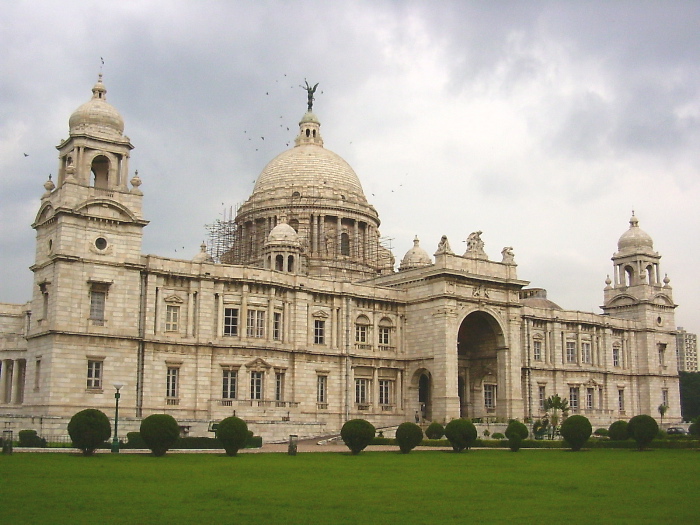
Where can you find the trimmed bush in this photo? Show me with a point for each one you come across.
(435, 431)
(516, 433)
(357, 434)
(29, 438)
(576, 430)
(408, 436)
(159, 432)
(618, 431)
(233, 434)
(88, 429)
(134, 440)
(601, 432)
(498, 435)
(461, 434)
(643, 429)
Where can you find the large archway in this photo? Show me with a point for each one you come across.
(479, 339)
(422, 383)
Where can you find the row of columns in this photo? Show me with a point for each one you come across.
(12, 377)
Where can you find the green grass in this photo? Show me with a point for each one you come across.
(482, 486)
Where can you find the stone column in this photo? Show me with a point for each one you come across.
(338, 235)
(5, 378)
(356, 240)
(16, 383)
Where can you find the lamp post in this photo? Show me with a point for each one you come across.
(115, 440)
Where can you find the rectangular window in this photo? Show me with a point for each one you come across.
(362, 391)
(537, 350)
(621, 399)
(360, 333)
(385, 335)
(385, 389)
(256, 385)
(664, 397)
(573, 398)
(570, 351)
(662, 354)
(37, 374)
(97, 307)
(490, 397)
(172, 382)
(322, 389)
(586, 352)
(542, 396)
(277, 326)
(279, 386)
(589, 398)
(230, 322)
(616, 356)
(94, 375)
(229, 383)
(172, 318)
(255, 326)
(319, 332)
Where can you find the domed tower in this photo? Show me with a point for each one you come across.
(322, 199)
(638, 290)
(416, 257)
(282, 249)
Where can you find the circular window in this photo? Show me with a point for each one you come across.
(101, 243)
(296, 194)
(659, 321)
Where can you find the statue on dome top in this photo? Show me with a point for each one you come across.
(310, 91)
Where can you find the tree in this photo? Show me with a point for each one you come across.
(88, 429)
(662, 411)
(160, 432)
(690, 394)
(233, 434)
(408, 436)
(576, 430)
(516, 433)
(554, 404)
(357, 434)
(461, 434)
(694, 428)
(435, 430)
(618, 431)
(643, 429)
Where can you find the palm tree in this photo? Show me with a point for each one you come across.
(555, 403)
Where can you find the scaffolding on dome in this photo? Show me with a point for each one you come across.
(222, 235)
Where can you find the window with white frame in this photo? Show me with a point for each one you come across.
(489, 397)
(255, 325)
(590, 394)
(256, 385)
(322, 389)
(616, 356)
(172, 318)
(319, 332)
(94, 374)
(537, 350)
(230, 322)
(362, 391)
(586, 352)
(385, 392)
(279, 386)
(172, 382)
(571, 351)
(385, 328)
(573, 398)
(277, 326)
(361, 333)
(229, 383)
(542, 393)
(621, 399)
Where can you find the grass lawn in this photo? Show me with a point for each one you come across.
(482, 486)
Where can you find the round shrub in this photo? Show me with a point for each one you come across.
(461, 434)
(357, 434)
(88, 429)
(643, 429)
(435, 430)
(159, 432)
(233, 434)
(515, 433)
(408, 436)
(576, 430)
(601, 432)
(618, 431)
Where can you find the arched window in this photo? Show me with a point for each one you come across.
(279, 263)
(629, 275)
(100, 172)
(385, 329)
(650, 275)
(344, 244)
(362, 336)
(290, 264)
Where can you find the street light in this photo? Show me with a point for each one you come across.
(115, 441)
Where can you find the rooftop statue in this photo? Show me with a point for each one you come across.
(310, 91)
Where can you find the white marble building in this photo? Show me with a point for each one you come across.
(304, 323)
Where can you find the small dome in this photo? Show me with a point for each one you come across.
(202, 256)
(635, 238)
(284, 234)
(96, 115)
(416, 257)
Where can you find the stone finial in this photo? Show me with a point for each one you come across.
(49, 186)
(136, 182)
(608, 282)
(666, 281)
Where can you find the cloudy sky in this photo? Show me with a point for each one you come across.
(543, 124)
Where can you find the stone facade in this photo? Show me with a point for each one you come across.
(303, 323)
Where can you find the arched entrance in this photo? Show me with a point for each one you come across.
(422, 381)
(478, 340)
